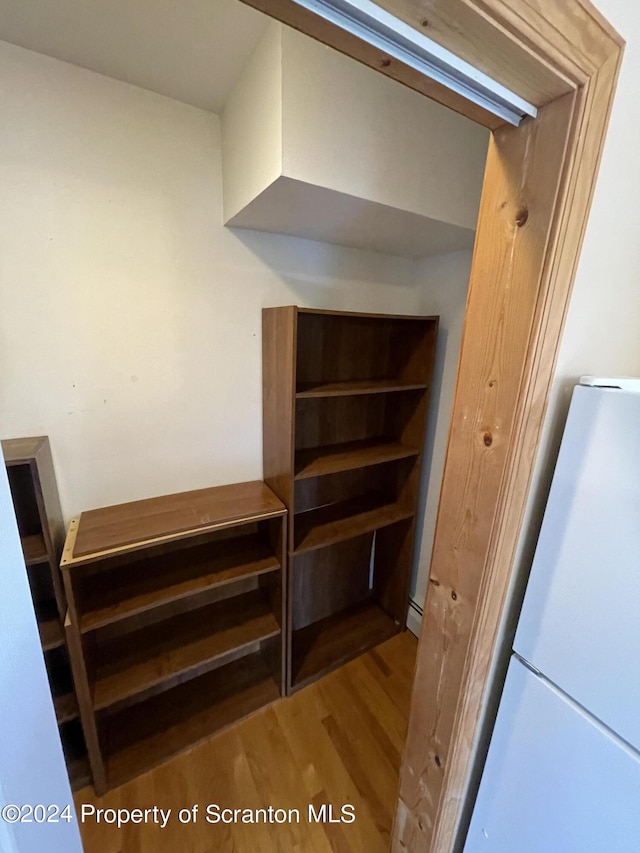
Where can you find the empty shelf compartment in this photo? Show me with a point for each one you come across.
(184, 646)
(115, 594)
(324, 645)
(146, 734)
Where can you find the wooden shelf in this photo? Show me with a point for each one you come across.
(34, 549)
(125, 527)
(51, 633)
(344, 520)
(66, 707)
(146, 734)
(356, 386)
(79, 772)
(110, 596)
(158, 656)
(318, 461)
(325, 645)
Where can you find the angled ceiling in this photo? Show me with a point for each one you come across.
(190, 50)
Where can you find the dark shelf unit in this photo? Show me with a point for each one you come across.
(345, 402)
(37, 506)
(176, 631)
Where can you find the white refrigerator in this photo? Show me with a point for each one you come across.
(563, 769)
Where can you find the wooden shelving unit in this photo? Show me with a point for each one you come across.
(345, 400)
(176, 621)
(37, 506)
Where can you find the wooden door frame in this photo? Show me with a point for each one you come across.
(564, 58)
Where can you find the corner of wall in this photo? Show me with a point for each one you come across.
(444, 281)
(251, 126)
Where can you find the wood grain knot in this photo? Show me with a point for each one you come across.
(385, 63)
(425, 22)
(488, 439)
(434, 581)
(454, 595)
(437, 761)
(521, 216)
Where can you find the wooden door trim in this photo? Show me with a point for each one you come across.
(563, 57)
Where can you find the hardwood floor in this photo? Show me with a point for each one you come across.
(337, 741)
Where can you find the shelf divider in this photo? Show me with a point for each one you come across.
(331, 459)
(356, 386)
(336, 522)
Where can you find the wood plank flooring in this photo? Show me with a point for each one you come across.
(337, 741)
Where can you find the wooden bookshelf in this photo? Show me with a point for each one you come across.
(37, 507)
(345, 402)
(180, 632)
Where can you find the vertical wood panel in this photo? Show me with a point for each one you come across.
(590, 116)
(473, 558)
(278, 394)
(516, 214)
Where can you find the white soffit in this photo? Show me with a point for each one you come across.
(299, 209)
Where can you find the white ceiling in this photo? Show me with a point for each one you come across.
(191, 50)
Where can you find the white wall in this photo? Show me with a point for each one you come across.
(129, 317)
(344, 125)
(444, 283)
(252, 126)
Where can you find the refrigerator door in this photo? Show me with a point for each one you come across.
(555, 781)
(580, 623)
